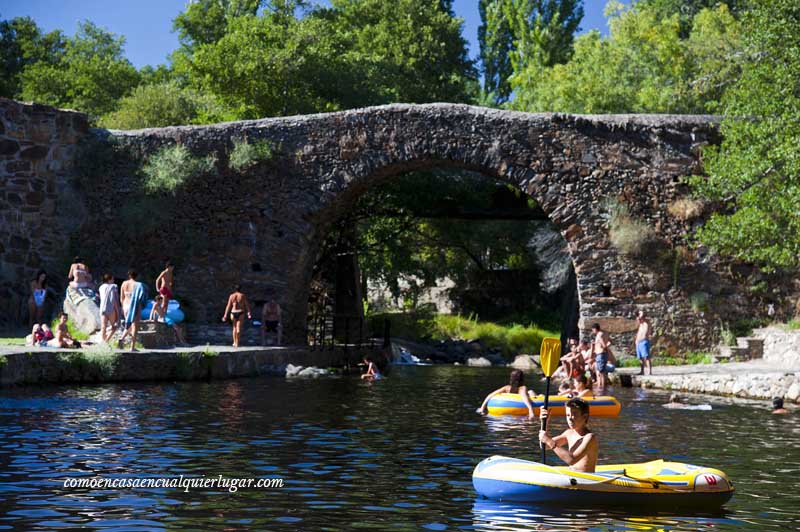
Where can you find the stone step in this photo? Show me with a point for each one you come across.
(755, 346)
(731, 353)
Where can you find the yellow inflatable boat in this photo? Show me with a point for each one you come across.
(510, 404)
(656, 483)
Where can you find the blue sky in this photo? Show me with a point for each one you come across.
(147, 24)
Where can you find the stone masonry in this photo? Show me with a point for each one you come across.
(263, 227)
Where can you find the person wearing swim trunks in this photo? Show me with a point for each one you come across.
(110, 309)
(271, 321)
(63, 339)
(164, 283)
(132, 300)
(236, 308)
(37, 299)
(602, 348)
(643, 343)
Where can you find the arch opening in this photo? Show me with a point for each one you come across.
(438, 240)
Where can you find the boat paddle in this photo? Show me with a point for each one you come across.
(549, 357)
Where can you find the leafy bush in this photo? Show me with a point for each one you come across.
(246, 155)
(630, 236)
(164, 104)
(172, 166)
(726, 335)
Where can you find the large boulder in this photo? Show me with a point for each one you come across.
(82, 306)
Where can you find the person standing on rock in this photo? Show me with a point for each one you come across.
(164, 283)
(132, 302)
(642, 343)
(602, 352)
(236, 308)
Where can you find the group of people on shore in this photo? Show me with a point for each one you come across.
(121, 307)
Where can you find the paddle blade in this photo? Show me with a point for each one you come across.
(550, 355)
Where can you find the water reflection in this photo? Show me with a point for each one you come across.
(397, 454)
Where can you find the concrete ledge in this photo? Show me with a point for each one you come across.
(36, 365)
(752, 380)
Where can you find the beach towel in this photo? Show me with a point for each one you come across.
(135, 303)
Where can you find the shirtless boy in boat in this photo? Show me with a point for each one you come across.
(581, 443)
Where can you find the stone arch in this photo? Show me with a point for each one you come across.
(260, 227)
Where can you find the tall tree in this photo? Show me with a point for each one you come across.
(516, 33)
(755, 173)
(90, 75)
(643, 66)
(22, 43)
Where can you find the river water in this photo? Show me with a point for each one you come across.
(397, 454)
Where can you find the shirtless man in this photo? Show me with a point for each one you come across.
(236, 307)
(132, 296)
(63, 338)
(602, 348)
(164, 283)
(582, 445)
(643, 342)
(271, 321)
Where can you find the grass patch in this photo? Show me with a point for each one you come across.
(172, 166)
(246, 155)
(792, 325)
(12, 341)
(100, 360)
(511, 339)
(686, 208)
(629, 235)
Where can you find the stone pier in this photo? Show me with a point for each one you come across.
(37, 365)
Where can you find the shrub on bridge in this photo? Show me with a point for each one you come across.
(246, 155)
(172, 166)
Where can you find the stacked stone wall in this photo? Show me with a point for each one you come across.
(39, 207)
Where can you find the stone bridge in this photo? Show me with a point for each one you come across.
(264, 227)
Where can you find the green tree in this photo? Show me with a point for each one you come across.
(517, 33)
(90, 75)
(21, 44)
(164, 104)
(404, 50)
(269, 66)
(206, 21)
(688, 9)
(755, 173)
(643, 66)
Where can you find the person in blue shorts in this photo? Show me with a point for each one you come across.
(602, 353)
(643, 342)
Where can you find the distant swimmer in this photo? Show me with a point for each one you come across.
(777, 406)
(676, 402)
(372, 373)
